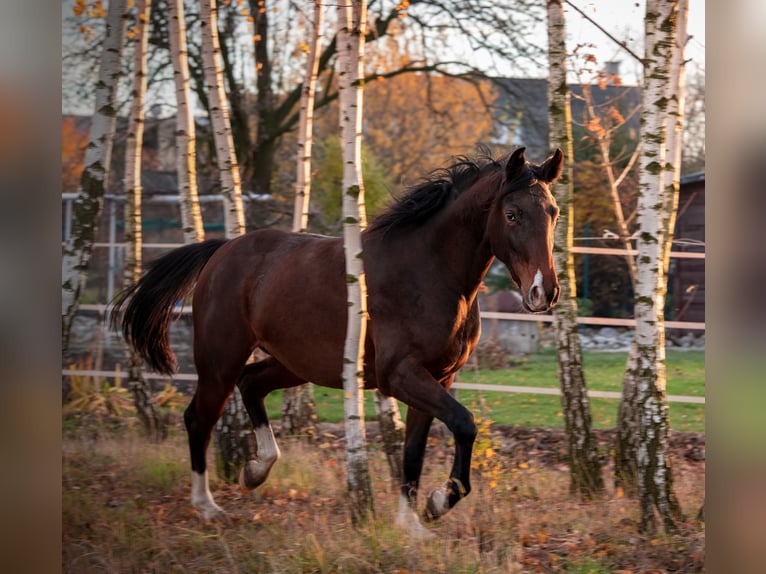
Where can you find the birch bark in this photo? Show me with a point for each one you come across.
(228, 168)
(186, 152)
(628, 423)
(584, 466)
(653, 464)
(95, 176)
(350, 40)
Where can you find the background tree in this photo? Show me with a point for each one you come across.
(298, 407)
(582, 450)
(417, 122)
(601, 123)
(265, 110)
(73, 144)
(139, 387)
(218, 108)
(352, 16)
(186, 146)
(328, 183)
(95, 174)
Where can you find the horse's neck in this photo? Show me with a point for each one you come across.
(459, 240)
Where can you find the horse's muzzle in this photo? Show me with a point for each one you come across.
(537, 299)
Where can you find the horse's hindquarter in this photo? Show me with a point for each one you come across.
(296, 302)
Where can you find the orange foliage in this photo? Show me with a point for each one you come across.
(416, 123)
(73, 143)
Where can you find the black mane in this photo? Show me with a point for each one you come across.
(422, 201)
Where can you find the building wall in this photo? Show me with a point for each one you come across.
(686, 279)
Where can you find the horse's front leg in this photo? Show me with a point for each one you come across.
(413, 384)
(256, 381)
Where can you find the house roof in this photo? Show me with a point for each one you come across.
(523, 110)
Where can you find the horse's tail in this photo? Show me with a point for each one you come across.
(151, 300)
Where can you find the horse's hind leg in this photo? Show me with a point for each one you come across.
(258, 380)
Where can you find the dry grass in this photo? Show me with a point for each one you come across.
(126, 509)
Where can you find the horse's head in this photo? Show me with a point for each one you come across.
(521, 225)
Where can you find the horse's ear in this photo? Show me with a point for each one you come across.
(552, 167)
(517, 161)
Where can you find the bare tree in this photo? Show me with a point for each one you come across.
(582, 450)
(661, 87)
(352, 18)
(90, 196)
(186, 153)
(603, 135)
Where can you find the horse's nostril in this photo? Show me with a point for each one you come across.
(555, 295)
(536, 295)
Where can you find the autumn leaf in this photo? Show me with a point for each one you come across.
(594, 126)
(615, 114)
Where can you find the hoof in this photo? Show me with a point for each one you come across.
(253, 474)
(437, 505)
(211, 512)
(407, 521)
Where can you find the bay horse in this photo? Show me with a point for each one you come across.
(285, 293)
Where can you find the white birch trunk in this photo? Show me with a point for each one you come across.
(584, 466)
(233, 431)
(392, 436)
(90, 195)
(350, 53)
(138, 385)
(186, 151)
(654, 471)
(675, 118)
(231, 187)
(306, 126)
(298, 407)
(628, 431)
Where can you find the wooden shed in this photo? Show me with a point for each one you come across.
(686, 278)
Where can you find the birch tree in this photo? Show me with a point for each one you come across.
(186, 153)
(582, 450)
(95, 176)
(655, 482)
(352, 18)
(138, 385)
(233, 436)
(298, 408)
(226, 158)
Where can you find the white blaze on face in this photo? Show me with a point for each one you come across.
(536, 292)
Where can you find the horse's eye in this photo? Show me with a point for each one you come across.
(511, 216)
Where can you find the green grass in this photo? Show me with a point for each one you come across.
(603, 371)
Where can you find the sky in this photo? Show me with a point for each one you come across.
(624, 19)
